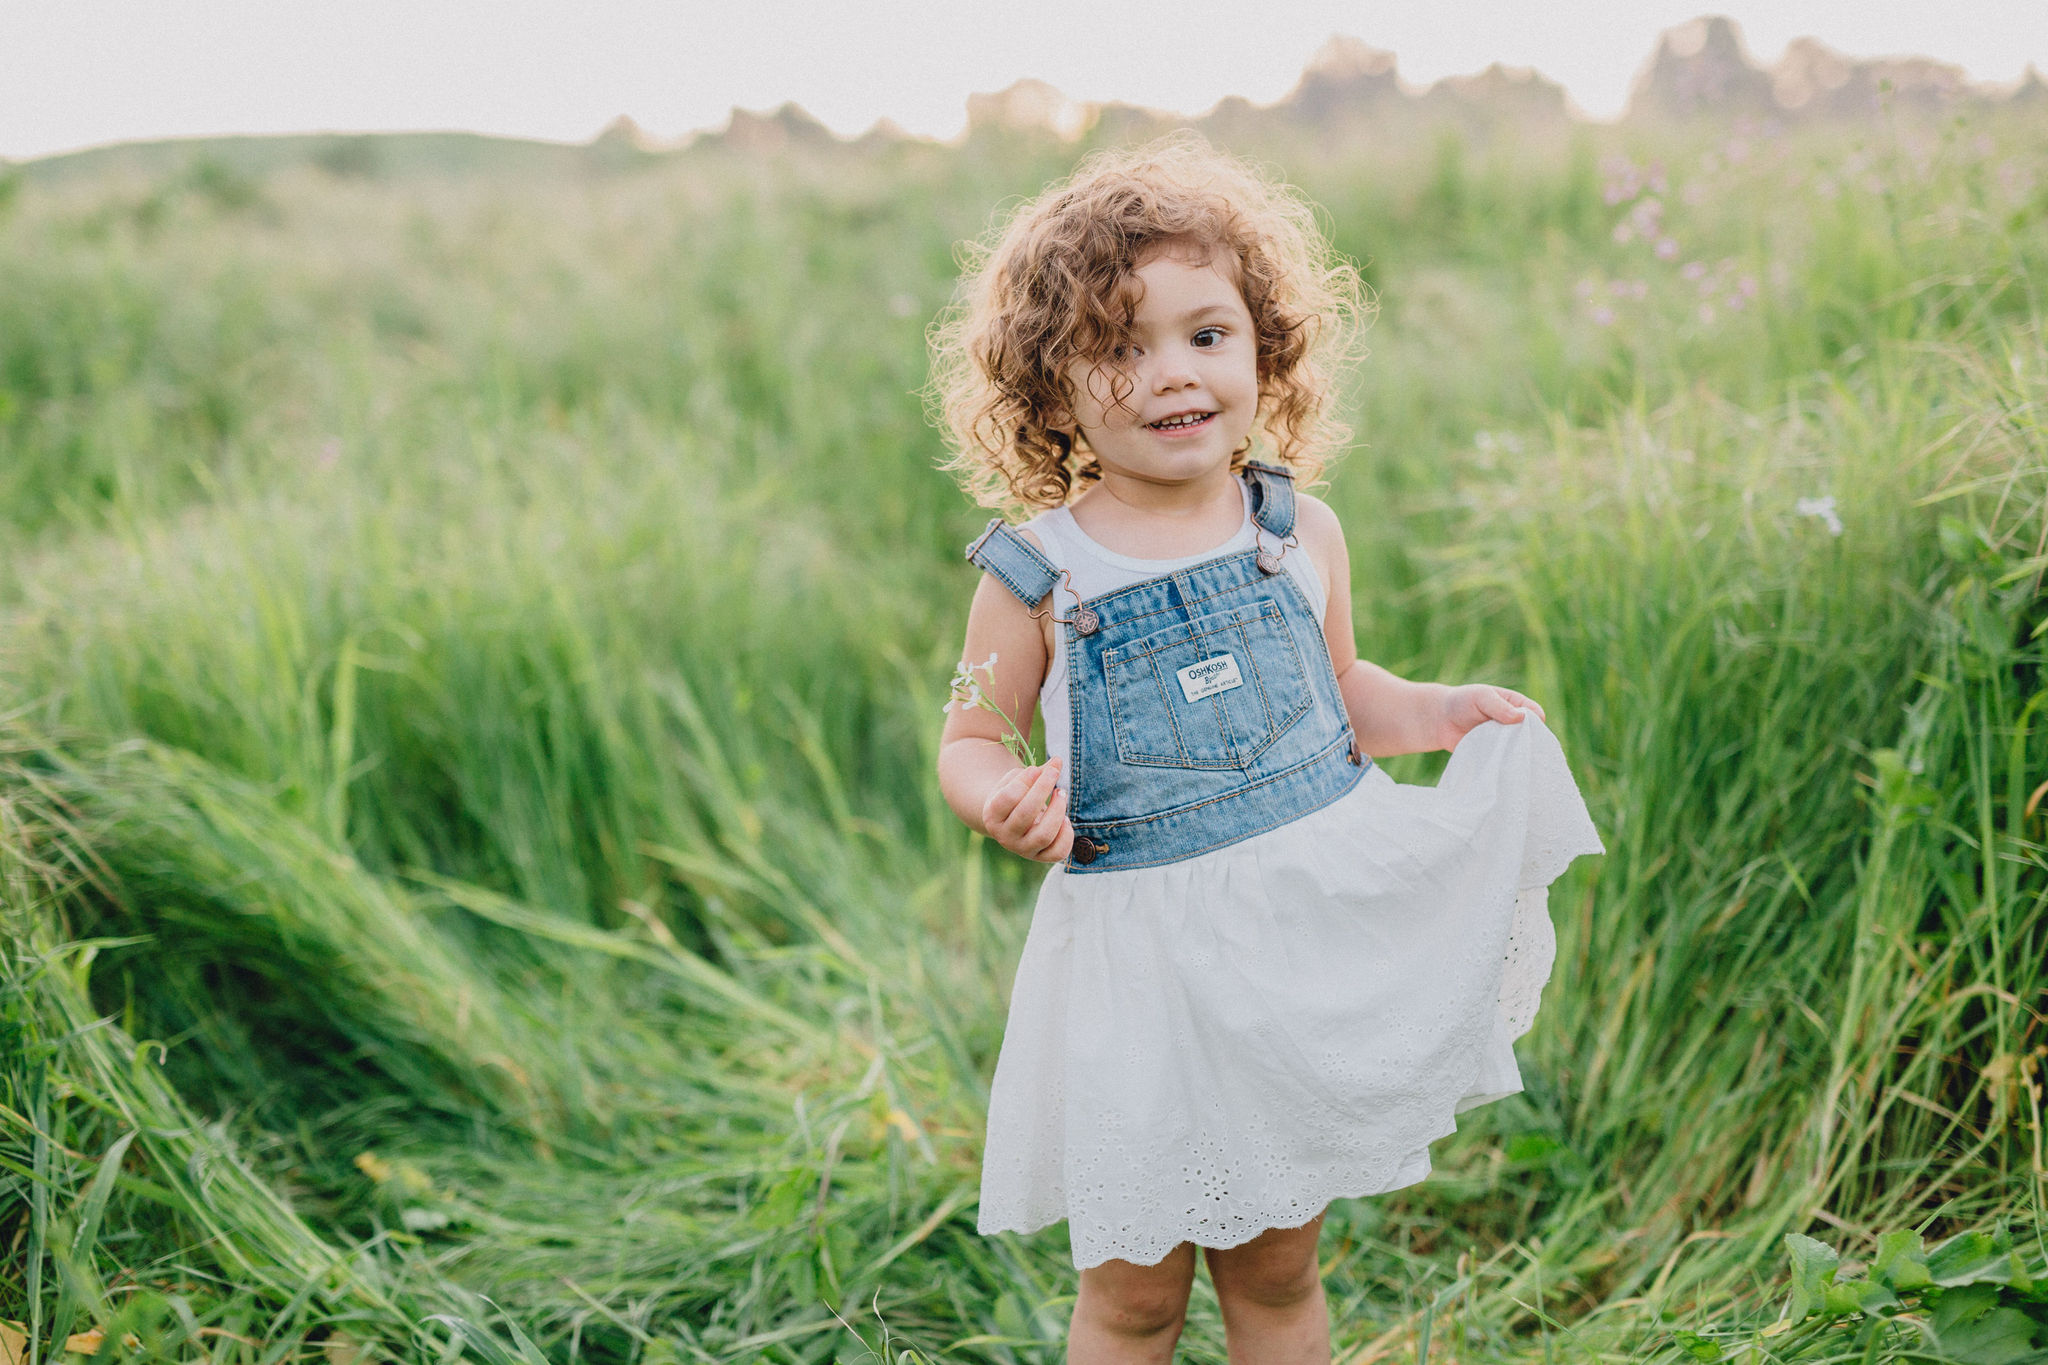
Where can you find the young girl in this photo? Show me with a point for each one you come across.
(1261, 974)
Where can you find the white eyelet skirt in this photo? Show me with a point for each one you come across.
(1200, 1051)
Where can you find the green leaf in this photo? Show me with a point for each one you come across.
(1901, 1260)
(1524, 1148)
(1813, 1270)
(1839, 1299)
(1899, 787)
(2021, 1277)
(1971, 1258)
(1697, 1346)
(1974, 1330)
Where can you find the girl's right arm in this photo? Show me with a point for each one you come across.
(1017, 806)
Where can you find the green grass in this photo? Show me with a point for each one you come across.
(471, 655)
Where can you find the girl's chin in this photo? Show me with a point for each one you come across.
(1174, 465)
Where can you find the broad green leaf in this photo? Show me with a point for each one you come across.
(1901, 1260)
(1698, 1347)
(1813, 1270)
(2022, 1277)
(1838, 1299)
(1971, 1258)
(1974, 1330)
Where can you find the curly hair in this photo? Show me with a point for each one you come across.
(1051, 285)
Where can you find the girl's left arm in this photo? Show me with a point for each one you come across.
(1389, 714)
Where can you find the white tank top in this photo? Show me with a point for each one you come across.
(1094, 570)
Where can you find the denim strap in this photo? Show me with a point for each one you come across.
(1272, 497)
(1014, 561)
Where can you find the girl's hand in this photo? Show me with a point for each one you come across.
(1027, 814)
(1462, 708)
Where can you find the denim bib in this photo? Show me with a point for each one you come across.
(1203, 705)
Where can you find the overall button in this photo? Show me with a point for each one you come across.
(1086, 622)
(1086, 850)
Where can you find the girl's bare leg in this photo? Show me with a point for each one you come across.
(1271, 1293)
(1128, 1314)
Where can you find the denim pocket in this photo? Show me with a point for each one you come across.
(1211, 692)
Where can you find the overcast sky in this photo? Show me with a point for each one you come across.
(76, 73)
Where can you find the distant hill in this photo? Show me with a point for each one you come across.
(344, 154)
(1700, 70)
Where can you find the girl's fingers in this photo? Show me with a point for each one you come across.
(1032, 804)
(1013, 790)
(1002, 800)
(1046, 829)
(1018, 802)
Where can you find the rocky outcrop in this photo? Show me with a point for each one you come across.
(788, 128)
(1701, 68)
(1511, 95)
(1812, 80)
(1344, 80)
(1027, 106)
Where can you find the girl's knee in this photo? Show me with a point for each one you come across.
(1139, 1301)
(1276, 1269)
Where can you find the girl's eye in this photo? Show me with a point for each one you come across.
(1216, 332)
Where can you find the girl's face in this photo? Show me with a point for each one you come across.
(1193, 373)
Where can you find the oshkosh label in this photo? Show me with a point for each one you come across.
(1209, 677)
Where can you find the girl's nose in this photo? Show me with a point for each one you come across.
(1173, 372)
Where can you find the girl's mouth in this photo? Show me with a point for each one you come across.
(1186, 422)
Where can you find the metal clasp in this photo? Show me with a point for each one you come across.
(1269, 562)
(1082, 618)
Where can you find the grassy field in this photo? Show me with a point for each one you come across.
(471, 653)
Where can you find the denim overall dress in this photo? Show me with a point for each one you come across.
(1203, 705)
(1249, 1024)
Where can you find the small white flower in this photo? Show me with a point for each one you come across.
(1824, 509)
